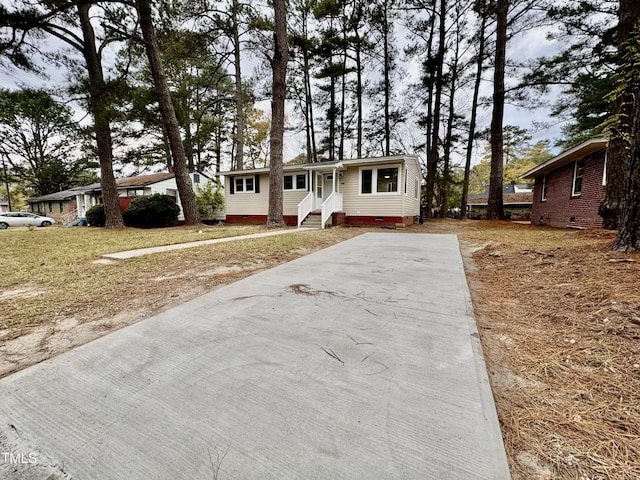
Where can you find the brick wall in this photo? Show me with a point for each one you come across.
(561, 209)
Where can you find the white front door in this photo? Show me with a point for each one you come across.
(319, 188)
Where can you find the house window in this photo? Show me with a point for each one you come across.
(578, 172)
(387, 180)
(301, 181)
(366, 183)
(417, 188)
(543, 191)
(61, 205)
(295, 182)
(379, 180)
(196, 178)
(50, 207)
(244, 184)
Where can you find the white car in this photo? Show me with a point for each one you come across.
(24, 219)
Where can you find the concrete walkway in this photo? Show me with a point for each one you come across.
(361, 361)
(179, 246)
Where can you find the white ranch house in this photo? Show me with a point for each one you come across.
(382, 191)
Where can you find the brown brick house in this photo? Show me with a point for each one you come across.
(570, 186)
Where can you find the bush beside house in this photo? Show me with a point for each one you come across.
(151, 211)
(96, 217)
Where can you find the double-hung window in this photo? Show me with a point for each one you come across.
(379, 180)
(295, 182)
(578, 172)
(543, 190)
(244, 184)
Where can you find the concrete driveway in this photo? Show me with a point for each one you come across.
(360, 361)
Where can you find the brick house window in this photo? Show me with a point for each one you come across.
(578, 172)
(543, 191)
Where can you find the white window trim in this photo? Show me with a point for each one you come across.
(543, 190)
(374, 180)
(604, 170)
(294, 182)
(575, 173)
(244, 185)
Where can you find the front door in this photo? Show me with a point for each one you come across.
(319, 188)
(328, 185)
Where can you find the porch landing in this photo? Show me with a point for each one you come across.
(359, 361)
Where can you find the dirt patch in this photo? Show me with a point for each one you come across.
(21, 291)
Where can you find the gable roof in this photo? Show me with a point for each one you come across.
(576, 153)
(143, 180)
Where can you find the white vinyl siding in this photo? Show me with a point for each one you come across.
(247, 203)
(355, 203)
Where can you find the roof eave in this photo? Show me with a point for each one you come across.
(579, 151)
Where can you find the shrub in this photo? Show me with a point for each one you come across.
(209, 199)
(96, 217)
(151, 211)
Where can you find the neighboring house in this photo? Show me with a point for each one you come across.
(382, 191)
(4, 204)
(517, 200)
(75, 202)
(570, 187)
(60, 205)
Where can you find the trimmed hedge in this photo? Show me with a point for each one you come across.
(96, 217)
(151, 211)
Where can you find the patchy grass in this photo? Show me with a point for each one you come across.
(55, 294)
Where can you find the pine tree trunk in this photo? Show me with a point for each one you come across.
(622, 200)
(238, 97)
(387, 82)
(432, 155)
(474, 113)
(99, 109)
(359, 92)
(169, 119)
(279, 67)
(495, 209)
(448, 141)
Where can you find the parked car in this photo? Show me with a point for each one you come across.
(24, 219)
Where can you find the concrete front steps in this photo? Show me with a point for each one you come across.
(313, 220)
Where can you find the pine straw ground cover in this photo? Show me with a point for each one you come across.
(559, 316)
